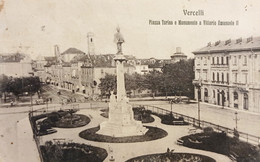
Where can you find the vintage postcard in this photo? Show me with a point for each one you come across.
(139, 80)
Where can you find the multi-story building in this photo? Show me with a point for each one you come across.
(227, 73)
(16, 65)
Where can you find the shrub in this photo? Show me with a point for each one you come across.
(208, 130)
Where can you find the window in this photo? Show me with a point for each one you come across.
(222, 76)
(198, 61)
(227, 78)
(205, 60)
(213, 60)
(245, 106)
(245, 61)
(205, 75)
(235, 60)
(213, 76)
(197, 74)
(214, 94)
(235, 99)
(245, 77)
(217, 60)
(217, 77)
(227, 60)
(235, 77)
(222, 60)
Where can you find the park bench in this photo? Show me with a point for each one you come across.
(178, 122)
(192, 131)
(233, 156)
(179, 142)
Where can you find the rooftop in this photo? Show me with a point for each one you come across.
(12, 57)
(240, 44)
(72, 51)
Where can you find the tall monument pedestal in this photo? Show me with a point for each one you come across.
(121, 122)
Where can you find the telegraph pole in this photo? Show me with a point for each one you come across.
(199, 94)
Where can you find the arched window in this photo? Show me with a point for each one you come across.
(206, 95)
(245, 106)
(235, 100)
(235, 96)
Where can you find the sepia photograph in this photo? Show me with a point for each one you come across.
(129, 81)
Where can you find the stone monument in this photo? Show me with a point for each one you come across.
(121, 121)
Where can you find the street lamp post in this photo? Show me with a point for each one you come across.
(198, 86)
(31, 97)
(171, 106)
(199, 105)
(236, 119)
(223, 98)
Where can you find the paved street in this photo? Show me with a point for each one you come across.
(16, 141)
(248, 122)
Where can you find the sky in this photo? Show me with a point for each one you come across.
(34, 27)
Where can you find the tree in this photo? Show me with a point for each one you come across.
(107, 84)
(153, 81)
(4, 85)
(178, 77)
(134, 82)
(20, 85)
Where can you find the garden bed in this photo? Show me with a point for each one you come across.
(60, 119)
(169, 119)
(223, 144)
(153, 133)
(78, 120)
(140, 114)
(172, 157)
(75, 152)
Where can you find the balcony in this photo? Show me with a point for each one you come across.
(219, 65)
(219, 82)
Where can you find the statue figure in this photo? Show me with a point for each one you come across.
(112, 97)
(118, 39)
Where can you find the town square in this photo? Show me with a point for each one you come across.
(113, 81)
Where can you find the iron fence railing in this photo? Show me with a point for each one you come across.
(195, 122)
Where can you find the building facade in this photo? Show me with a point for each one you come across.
(15, 65)
(227, 73)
